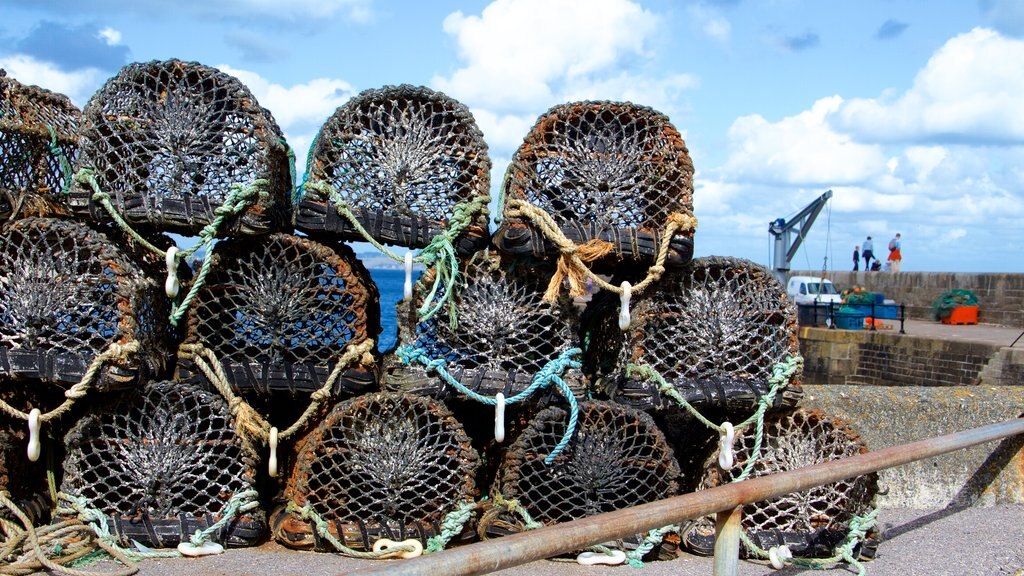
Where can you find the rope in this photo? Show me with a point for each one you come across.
(509, 506)
(440, 252)
(58, 151)
(72, 540)
(856, 533)
(250, 424)
(78, 507)
(239, 198)
(240, 503)
(451, 527)
(572, 264)
(322, 528)
(635, 557)
(550, 373)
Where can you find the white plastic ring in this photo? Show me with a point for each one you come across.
(204, 549)
(499, 417)
(725, 459)
(34, 447)
(408, 276)
(612, 558)
(624, 318)
(384, 544)
(171, 285)
(779, 555)
(272, 460)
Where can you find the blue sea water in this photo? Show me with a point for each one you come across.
(390, 284)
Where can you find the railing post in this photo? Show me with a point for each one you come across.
(727, 541)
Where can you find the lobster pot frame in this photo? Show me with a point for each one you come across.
(401, 158)
(68, 295)
(279, 312)
(38, 143)
(378, 466)
(812, 523)
(168, 141)
(161, 464)
(613, 172)
(617, 458)
(715, 331)
(505, 334)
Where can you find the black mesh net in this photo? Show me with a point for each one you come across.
(379, 466)
(278, 312)
(812, 523)
(168, 140)
(614, 172)
(617, 458)
(715, 330)
(505, 332)
(67, 295)
(162, 463)
(402, 158)
(38, 143)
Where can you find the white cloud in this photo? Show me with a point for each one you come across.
(519, 53)
(111, 36)
(969, 91)
(800, 150)
(78, 85)
(711, 23)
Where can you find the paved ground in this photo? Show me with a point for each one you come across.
(982, 541)
(983, 333)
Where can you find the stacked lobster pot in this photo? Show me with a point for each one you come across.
(391, 473)
(713, 354)
(169, 147)
(596, 189)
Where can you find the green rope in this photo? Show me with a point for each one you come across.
(856, 533)
(240, 503)
(514, 507)
(307, 513)
(79, 507)
(451, 527)
(635, 557)
(65, 165)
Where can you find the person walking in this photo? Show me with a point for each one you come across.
(856, 258)
(868, 253)
(895, 255)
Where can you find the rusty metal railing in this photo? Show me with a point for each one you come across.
(517, 549)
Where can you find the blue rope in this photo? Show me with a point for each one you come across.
(550, 373)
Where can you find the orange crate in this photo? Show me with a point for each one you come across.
(962, 315)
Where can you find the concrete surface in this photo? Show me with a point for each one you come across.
(915, 542)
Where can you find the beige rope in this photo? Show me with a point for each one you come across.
(251, 425)
(114, 352)
(572, 264)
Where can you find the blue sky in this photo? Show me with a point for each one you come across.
(911, 112)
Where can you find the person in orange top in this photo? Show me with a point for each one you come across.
(895, 256)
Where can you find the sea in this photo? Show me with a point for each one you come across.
(391, 285)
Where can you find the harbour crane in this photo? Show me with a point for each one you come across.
(783, 231)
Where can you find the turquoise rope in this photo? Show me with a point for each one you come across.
(240, 503)
(452, 526)
(65, 165)
(550, 373)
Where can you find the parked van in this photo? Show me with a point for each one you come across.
(811, 289)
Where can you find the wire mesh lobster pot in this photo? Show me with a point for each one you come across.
(378, 466)
(168, 141)
(161, 464)
(617, 458)
(38, 142)
(505, 332)
(714, 330)
(812, 523)
(279, 312)
(405, 162)
(611, 173)
(68, 296)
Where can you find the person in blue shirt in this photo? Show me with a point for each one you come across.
(868, 253)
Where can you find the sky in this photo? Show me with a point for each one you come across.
(911, 112)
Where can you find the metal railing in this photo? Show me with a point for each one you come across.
(830, 310)
(726, 501)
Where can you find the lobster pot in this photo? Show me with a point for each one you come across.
(161, 464)
(401, 159)
(812, 523)
(714, 331)
(67, 296)
(504, 332)
(610, 172)
(617, 458)
(378, 466)
(38, 143)
(279, 312)
(168, 141)
(24, 480)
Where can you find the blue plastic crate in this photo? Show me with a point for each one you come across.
(849, 321)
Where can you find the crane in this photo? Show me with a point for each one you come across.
(783, 230)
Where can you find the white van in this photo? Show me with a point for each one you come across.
(811, 289)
